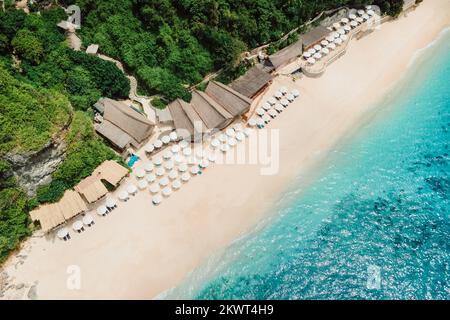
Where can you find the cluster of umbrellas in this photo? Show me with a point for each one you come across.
(164, 140)
(77, 226)
(272, 107)
(229, 139)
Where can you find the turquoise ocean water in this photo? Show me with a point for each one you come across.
(381, 203)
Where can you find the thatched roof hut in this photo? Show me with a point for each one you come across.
(122, 125)
(232, 101)
(212, 113)
(91, 188)
(110, 171)
(286, 55)
(314, 37)
(252, 82)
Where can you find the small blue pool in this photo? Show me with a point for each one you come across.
(132, 160)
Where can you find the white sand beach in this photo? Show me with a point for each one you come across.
(141, 250)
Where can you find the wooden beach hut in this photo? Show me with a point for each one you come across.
(110, 171)
(286, 55)
(91, 188)
(232, 101)
(213, 115)
(253, 82)
(314, 36)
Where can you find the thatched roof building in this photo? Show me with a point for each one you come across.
(122, 125)
(52, 215)
(91, 188)
(232, 101)
(164, 116)
(211, 112)
(110, 171)
(253, 82)
(314, 37)
(286, 55)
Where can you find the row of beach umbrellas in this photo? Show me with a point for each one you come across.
(159, 143)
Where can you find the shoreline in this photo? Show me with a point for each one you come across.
(147, 250)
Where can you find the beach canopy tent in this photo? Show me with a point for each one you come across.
(91, 188)
(52, 215)
(123, 125)
(232, 101)
(252, 82)
(110, 171)
(286, 55)
(314, 36)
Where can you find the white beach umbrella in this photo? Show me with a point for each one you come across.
(142, 184)
(324, 43)
(151, 177)
(353, 24)
(148, 167)
(240, 136)
(77, 225)
(278, 95)
(284, 102)
(341, 31)
(149, 148)
(215, 142)
(175, 149)
(266, 106)
(352, 16)
(176, 185)
(111, 202)
(272, 101)
(101, 211)
(178, 159)
(223, 138)
(158, 144)
(336, 34)
(187, 151)
(165, 139)
(248, 131)
(345, 20)
(199, 153)
(185, 177)
(331, 46)
(226, 147)
(140, 173)
(311, 61)
(182, 167)
(173, 174)
(347, 28)
(260, 123)
(317, 55)
(169, 165)
(365, 17)
(131, 189)
(368, 7)
(325, 51)
(359, 20)
(317, 47)
(232, 142)
(204, 164)
(62, 233)
(370, 12)
(360, 12)
(279, 108)
(164, 182)
(306, 55)
(183, 144)
(330, 38)
(160, 171)
(123, 195)
(295, 93)
(167, 155)
(273, 113)
(154, 188)
(156, 199)
(290, 97)
(312, 51)
(266, 118)
(238, 127)
(252, 122)
(283, 90)
(167, 191)
(338, 41)
(212, 157)
(173, 136)
(230, 131)
(344, 37)
(260, 112)
(157, 161)
(336, 25)
(194, 170)
(88, 219)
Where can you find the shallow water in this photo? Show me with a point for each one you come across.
(375, 223)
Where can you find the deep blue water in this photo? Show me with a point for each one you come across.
(382, 202)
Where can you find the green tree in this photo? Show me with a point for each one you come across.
(27, 46)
